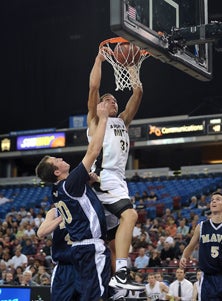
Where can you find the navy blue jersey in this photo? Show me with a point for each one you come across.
(61, 245)
(210, 250)
(81, 209)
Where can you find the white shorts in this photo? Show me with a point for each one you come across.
(112, 188)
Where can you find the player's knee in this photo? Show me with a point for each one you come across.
(130, 215)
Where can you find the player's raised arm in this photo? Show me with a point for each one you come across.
(94, 85)
(134, 101)
(95, 144)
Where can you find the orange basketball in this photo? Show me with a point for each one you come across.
(127, 54)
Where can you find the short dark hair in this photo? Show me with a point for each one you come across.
(45, 170)
(216, 192)
(104, 95)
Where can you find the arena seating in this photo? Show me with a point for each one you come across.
(24, 195)
(175, 192)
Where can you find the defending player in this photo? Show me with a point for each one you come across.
(209, 236)
(83, 215)
(64, 284)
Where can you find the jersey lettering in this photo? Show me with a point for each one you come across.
(213, 238)
(63, 209)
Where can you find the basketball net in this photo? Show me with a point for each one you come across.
(126, 77)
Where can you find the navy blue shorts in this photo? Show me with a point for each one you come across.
(211, 288)
(64, 284)
(93, 266)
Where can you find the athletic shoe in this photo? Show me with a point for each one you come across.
(122, 279)
(119, 295)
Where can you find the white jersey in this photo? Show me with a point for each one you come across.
(114, 154)
(111, 163)
(154, 293)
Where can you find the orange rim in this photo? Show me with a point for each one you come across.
(116, 40)
(113, 40)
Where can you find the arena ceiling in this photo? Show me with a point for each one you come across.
(48, 48)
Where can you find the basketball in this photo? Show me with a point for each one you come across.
(127, 54)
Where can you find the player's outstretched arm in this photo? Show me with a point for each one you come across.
(94, 85)
(190, 247)
(50, 223)
(133, 103)
(95, 144)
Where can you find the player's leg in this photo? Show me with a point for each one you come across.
(128, 216)
(65, 283)
(124, 233)
(211, 289)
(94, 266)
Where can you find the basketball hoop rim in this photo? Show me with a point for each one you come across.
(116, 40)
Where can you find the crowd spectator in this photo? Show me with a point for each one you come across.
(45, 279)
(168, 214)
(27, 247)
(202, 202)
(19, 259)
(3, 199)
(140, 205)
(155, 260)
(183, 228)
(22, 212)
(167, 253)
(26, 279)
(20, 233)
(40, 272)
(171, 227)
(12, 213)
(137, 230)
(140, 242)
(9, 279)
(193, 202)
(144, 196)
(18, 274)
(142, 260)
(160, 243)
(179, 250)
(152, 196)
(38, 220)
(6, 258)
(29, 231)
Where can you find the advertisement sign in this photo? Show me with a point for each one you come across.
(45, 140)
(186, 128)
(21, 293)
(15, 294)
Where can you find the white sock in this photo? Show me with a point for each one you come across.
(120, 263)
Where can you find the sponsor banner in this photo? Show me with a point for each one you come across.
(176, 129)
(49, 140)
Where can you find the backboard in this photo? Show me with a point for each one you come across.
(150, 24)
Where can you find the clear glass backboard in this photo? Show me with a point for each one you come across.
(151, 24)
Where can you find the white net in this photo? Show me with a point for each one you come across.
(126, 77)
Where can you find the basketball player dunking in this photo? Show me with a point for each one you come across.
(110, 167)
